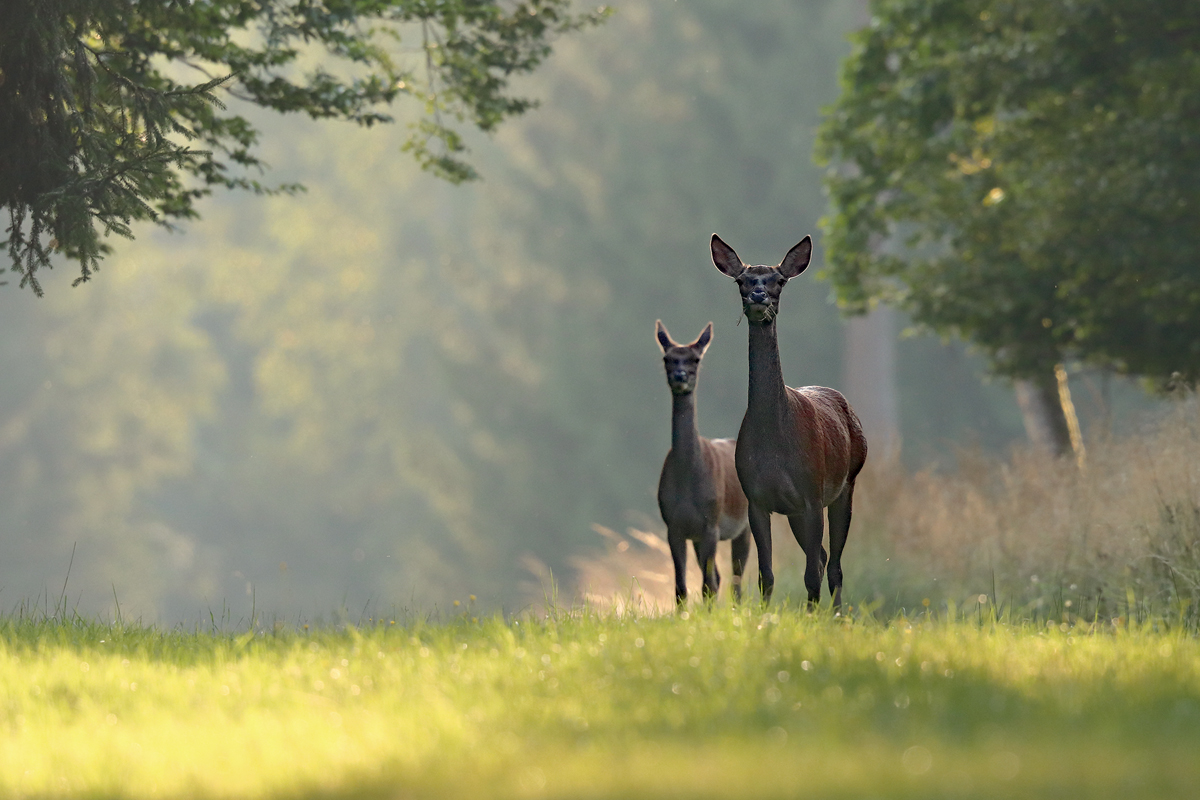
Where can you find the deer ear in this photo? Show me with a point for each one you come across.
(664, 338)
(726, 260)
(703, 340)
(797, 258)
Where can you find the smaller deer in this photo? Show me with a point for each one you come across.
(698, 492)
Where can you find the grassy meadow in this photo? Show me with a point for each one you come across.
(719, 703)
(1027, 629)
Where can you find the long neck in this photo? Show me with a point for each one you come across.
(684, 438)
(767, 395)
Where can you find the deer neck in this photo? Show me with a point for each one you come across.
(685, 440)
(767, 395)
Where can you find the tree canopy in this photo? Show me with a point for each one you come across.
(102, 122)
(1026, 176)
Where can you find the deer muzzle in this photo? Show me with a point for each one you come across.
(757, 311)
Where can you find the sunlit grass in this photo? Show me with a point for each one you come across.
(716, 704)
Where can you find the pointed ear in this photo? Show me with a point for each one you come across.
(797, 258)
(726, 260)
(703, 340)
(664, 339)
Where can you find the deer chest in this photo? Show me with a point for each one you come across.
(774, 482)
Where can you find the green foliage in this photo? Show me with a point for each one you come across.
(687, 705)
(1025, 176)
(98, 130)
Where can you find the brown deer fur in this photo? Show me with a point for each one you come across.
(699, 495)
(799, 451)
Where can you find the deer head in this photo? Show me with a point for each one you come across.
(682, 361)
(761, 286)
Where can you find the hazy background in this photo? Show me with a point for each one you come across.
(391, 392)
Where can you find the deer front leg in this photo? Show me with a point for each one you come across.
(706, 557)
(741, 554)
(760, 529)
(808, 527)
(839, 526)
(678, 544)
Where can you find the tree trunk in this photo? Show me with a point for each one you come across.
(869, 363)
(1042, 411)
(869, 379)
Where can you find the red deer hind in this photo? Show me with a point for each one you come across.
(798, 450)
(698, 491)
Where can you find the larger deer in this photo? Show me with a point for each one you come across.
(698, 491)
(798, 450)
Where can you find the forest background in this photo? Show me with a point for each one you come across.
(389, 391)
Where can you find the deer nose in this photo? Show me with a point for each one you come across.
(679, 376)
(758, 296)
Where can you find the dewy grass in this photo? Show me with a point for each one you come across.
(719, 703)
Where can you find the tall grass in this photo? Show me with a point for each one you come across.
(1119, 538)
(1028, 531)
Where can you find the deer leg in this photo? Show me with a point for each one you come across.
(839, 526)
(741, 554)
(706, 557)
(678, 544)
(809, 528)
(760, 529)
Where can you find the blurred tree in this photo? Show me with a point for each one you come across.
(1025, 176)
(254, 414)
(96, 129)
(676, 121)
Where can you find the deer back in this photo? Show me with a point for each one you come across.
(832, 448)
(702, 491)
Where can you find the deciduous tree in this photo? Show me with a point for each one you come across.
(103, 122)
(1025, 176)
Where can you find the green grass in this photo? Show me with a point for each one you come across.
(718, 704)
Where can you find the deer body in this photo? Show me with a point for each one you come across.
(799, 451)
(699, 494)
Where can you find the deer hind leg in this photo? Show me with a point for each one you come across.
(760, 529)
(678, 544)
(706, 557)
(839, 527)
(809, 528)
(741, 554)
